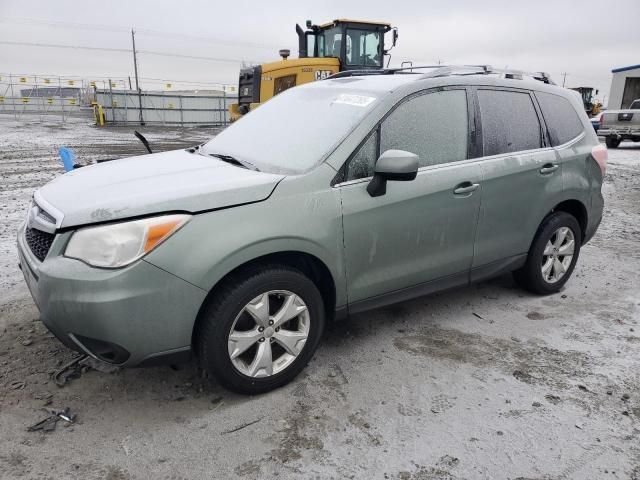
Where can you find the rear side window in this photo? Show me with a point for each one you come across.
(562, 120)
(509, 122)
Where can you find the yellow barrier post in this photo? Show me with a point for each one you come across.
(100, 114)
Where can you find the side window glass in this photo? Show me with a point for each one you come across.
(363, 162)
(509, 122)
(560, 116)
(434, 126)
(363, 48)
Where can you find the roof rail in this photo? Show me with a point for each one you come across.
(447, 70)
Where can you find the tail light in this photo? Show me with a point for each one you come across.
(600, 155)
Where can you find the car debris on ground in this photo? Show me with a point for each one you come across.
(49, 424)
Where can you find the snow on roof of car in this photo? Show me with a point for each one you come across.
(372, 83)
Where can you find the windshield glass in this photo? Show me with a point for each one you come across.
(295, 131)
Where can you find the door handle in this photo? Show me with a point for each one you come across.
(549, 168)
(466, 187)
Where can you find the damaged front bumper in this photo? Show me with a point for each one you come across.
(136, 315)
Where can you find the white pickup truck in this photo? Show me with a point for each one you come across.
(619, 125)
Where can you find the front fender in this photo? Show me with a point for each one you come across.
(215, 243)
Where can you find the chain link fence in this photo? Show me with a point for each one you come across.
(53, 99)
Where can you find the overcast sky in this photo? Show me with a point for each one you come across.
(583, 38)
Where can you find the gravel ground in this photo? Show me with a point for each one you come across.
(485, 382)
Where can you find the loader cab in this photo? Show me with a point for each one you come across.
(356, 44)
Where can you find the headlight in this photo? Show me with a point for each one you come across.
(120, 244)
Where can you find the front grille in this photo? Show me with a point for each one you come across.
(39, 242)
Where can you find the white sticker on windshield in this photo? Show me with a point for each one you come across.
(355, 100)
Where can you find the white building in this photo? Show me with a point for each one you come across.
(625, 87)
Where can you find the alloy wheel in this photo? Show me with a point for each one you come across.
(558, 254)
(269, 333)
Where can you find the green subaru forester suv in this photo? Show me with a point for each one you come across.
(333, 198)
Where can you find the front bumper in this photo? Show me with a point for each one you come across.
(130, 316)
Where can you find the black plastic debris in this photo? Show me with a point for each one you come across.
(68, 372)
(49, 424)
(79, 365)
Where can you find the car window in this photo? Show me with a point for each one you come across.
(562, 119)
(434, 126)
(363, 162)
(509, 122)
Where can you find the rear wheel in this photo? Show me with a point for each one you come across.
(612, 142)
(553, 255)
(261, 329)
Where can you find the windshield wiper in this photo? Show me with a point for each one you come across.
(234, 161)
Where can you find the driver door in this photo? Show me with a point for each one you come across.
(419, 236)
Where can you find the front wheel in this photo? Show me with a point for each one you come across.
(261, 329)
(553, 255)
(612, 142)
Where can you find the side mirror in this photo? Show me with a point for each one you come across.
(395, 36)
(395, 165)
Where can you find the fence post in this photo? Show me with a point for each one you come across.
(113, 112)
(61, 98)
(13, 98)
(181, 112)
(224, 106)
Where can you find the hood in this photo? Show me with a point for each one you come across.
(171, 181)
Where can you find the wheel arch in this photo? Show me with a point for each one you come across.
(575, 208)
(310, 265)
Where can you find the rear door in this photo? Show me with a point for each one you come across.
(420, 230)
(520, 172)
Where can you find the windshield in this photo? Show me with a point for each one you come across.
(295, 131)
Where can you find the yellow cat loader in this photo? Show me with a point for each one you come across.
(591, 105)
(322, 51)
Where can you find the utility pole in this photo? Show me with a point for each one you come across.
(564, 78)
(135, 70)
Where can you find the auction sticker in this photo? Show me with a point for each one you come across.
(355, 100)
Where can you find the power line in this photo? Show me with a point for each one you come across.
(195, 57)
(123, 50)
(70, 47)
(140, 31)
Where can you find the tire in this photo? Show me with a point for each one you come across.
(531, 276)
(612, 142)
(238, 310)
